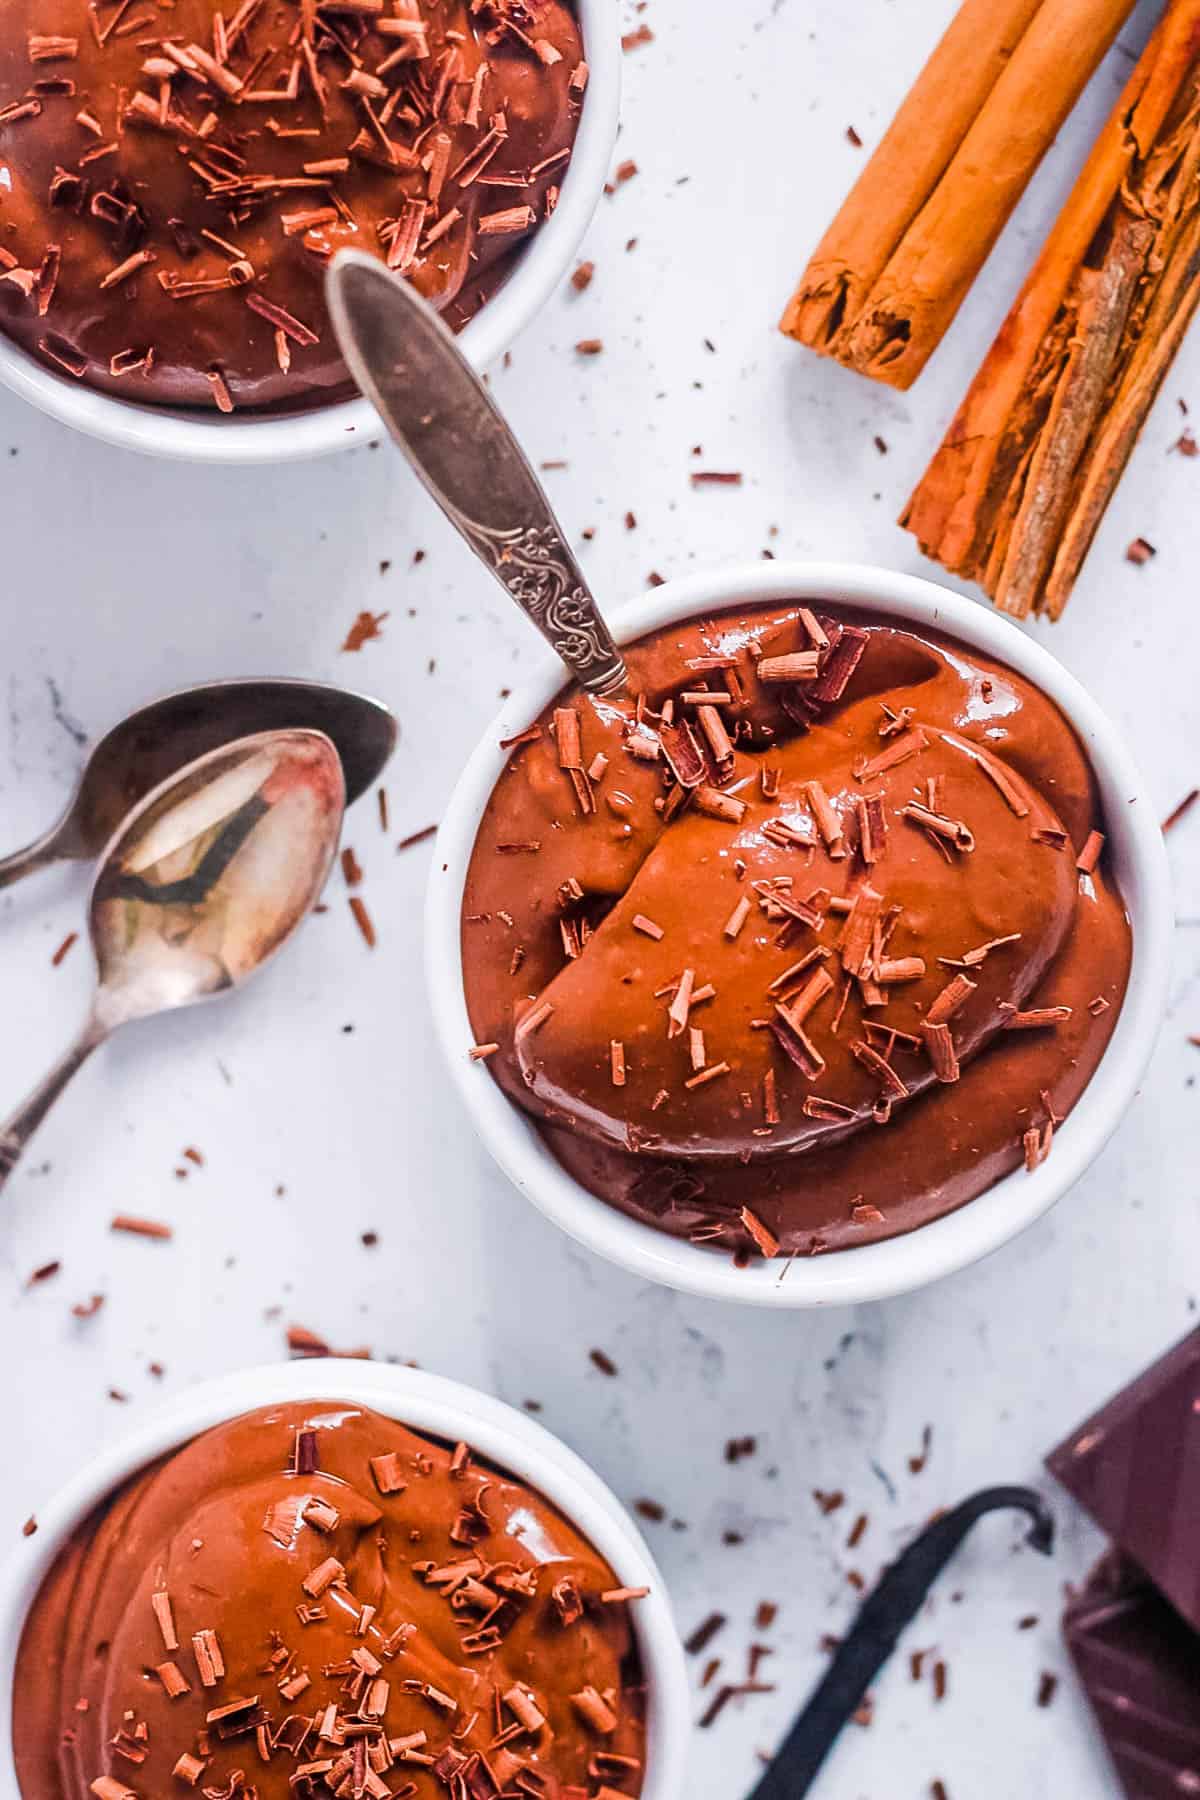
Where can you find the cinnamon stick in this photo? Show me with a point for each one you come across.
(1014, 496)
(892, 270)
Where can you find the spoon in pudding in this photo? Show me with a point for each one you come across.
(204, 881)
(459, 443)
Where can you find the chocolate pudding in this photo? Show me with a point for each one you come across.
(805, 941)
(175, 174)
(313, 1600)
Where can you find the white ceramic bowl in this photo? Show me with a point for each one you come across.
(1135, 846)
(428, 1403)
(195, 436)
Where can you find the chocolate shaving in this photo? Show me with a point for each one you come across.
(878, 1065)
(951, 998)
(1036, 1019)
(1005, 782)
(765, 1240)
(1179, 812)
(842, 660)
(796, 1045)
(150, 1228)
(800, 665)
(716, 805)
(683, 754)
(942, 1054)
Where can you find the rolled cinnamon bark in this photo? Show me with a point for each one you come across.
(893, 268)
(1014, 495)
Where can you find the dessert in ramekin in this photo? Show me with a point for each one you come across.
(321, 1574)
(769, 949)
(172, 193)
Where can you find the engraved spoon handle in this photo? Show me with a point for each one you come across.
(445, 421)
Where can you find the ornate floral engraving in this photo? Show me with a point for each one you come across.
(532, 563)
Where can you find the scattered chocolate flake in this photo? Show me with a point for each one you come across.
(45, 1273)
(1047, 1688)
(852, 137)
(632, 40)
(704, 1634)
(1186, 444)
(417, 837)
(716, 478)
(87, 1309)
(583, 276)
(365, 627)
(1140, 551)
(602, 1361)
(303, 1342)
(917, 1464)
(29, 1527)
(362, 919)
(351, 868)
(150, 1228)
(1185, 806)
(589, 346)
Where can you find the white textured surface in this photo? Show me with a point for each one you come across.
(123, 578)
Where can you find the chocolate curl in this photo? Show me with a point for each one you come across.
(882, 1617)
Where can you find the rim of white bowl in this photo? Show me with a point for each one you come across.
(188, 435)
(430, 1403)
(900, 1264)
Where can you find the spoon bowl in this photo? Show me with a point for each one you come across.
(205, 880)
(158, 740)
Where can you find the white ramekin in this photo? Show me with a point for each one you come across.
(194, 436)
(899, 1264)
(430, 1403)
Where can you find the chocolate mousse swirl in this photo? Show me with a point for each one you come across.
(804, 943)
(176, 176)
(314, 1601)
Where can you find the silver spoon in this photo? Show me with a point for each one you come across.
(204, 881)
(450, 429)
(157, 740)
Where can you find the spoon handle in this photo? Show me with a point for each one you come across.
(16, 1131)
(450, 429)
(38, 855)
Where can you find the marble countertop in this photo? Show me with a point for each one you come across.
(316, 1097)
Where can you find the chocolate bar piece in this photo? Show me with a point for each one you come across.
(1139, 1664)
(1135, 1466)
